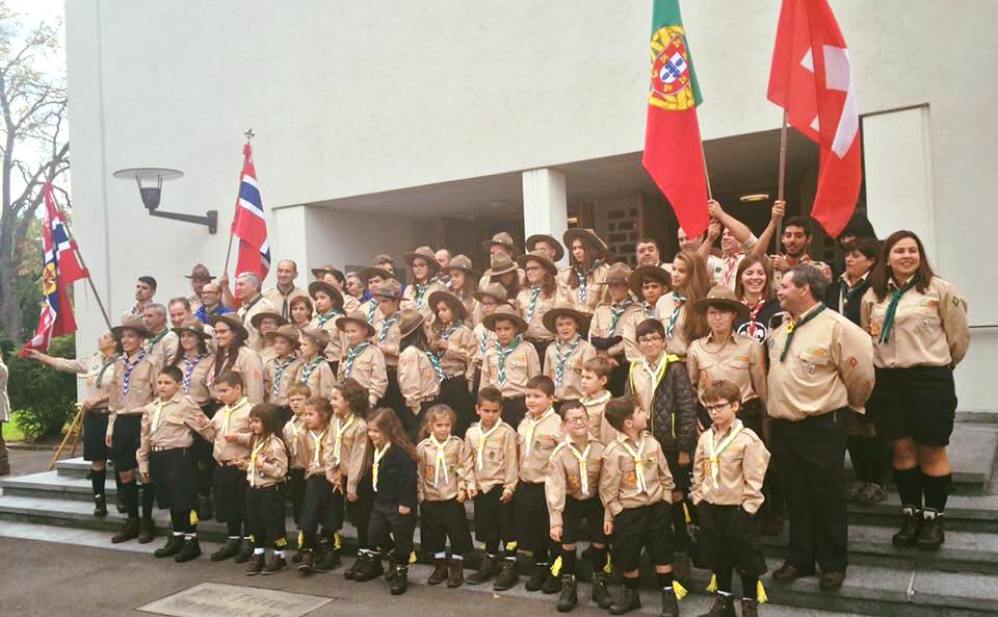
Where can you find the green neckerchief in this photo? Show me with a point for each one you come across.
(794, 325)
(892, 310)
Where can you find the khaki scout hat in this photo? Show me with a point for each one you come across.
(504, 312)
(654, 273)
(409, 321)
(200, 273)
(456, 306)
(333, 293)
(540, 258)
(425, 253)
(492, 290)
(233, 322)
(257, 319)
(357, 317)
(287, 332)
(501, 239)
(194, 326)
(133, 323)
(618, 274)
(722, 297)
(589, 238)
(559, 249)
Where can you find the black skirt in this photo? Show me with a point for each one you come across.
(94, 435)
(174, 478)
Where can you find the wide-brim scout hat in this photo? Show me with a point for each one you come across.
(425, 253)
(324, 270)
(500, 239)
(590, 239)
(507, 313)
(643, 273)
(199, 273)
(566, 310)
(233, 322)
(257, 319)
(286, 331)
(133, 323)
(357, 317)
(723, 298)
(492, 290)
(540, 258)
(409, 321)
(318, 336)
(464, 264)
(333, 293)
(457, 307)
(367, 273)
(618, 274)
(389, 289)
(194, 326)
(559, 249)
(501, 265)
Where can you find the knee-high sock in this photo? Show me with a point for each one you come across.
(130, 494)
(148, 499)
(97, 479)
(909, 483)
(937, 490)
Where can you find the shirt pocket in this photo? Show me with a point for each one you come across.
(812, 361)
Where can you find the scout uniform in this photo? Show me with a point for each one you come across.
(455, 361)
(346, 463)
(564, 366)
(509, 368)
(162, 348)
(659, 274)
(134, 313)
(317, 375)
(494, 470)
(363, 362)
(258, 304)
(293, 434)
(131, 389)
(247, 364)
(328, 322)
(281, 299)
(95, 373)
(466, 295)
(318, 507)
(200, 273)
(740, 360)
(484, 338)
(671, 311)
(505, 240)
(596, 408)
(196, 374)
(535, 302)
(264, 343)
(230, 481)
(443, 470)
(387, 338)
(572, 490)
(584, 284)
(419, 382)
(537, 437)
(279, 373)
(417, 294)
(267, 469)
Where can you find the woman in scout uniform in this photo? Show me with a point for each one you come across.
(314, 369)
(550, 248)
(361, 359)
(569, 351)
(589, 257)
(462, 282)
(386, 338)
(328, 311)
(233, 354)
(331, 276)
(265, 323)
(374, 277)
(423, 268)
(754, 289)
(487, 300)
(279, 372)
(506, 273)
(611, 331)
(510, 363)
(541, 293)
(918, 323)
(300, 309)
(690, 282)
(648, 284)
(420, 372)
(453, 343)
(501, 249)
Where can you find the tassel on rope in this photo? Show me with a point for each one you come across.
(679, 590)
(337, 541)
(608, 568)
(301, 538)
(556, 567)
(412, 557)
(712, 586)
(686, 513)
(760, 593)
(194, 517)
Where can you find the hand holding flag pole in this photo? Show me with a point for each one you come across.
(782, 181)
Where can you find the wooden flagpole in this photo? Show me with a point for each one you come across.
(79, 256)
(782, 179)
(228, 251)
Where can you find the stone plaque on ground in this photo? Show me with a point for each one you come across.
(218, 600)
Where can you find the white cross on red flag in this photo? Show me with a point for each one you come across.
(811, 78)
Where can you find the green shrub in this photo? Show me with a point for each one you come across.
(44, 398)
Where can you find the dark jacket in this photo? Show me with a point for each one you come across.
(396, 479)
(674, 411)
(853, 299)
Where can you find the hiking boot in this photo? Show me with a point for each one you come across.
(307, 563)
(171, 548)
(930, 534)
(147, 531)
(400, 580)
(439, 573)
(100, 506)
(569, 597)
(255, 565)
(601, 590)
(537, 577)
(245, 551)
(552, 584)
(670, 604)
(871, 494)
(191, 549)
(788, 573)
(486, 570)
(831, 581)
(724, 606)
(274, 565)
(909, 528)
(750, 608)
(507, 577)
(129, 531)
(229, 549)
(328, 560)
(455, 573)
(368, 569)
(627, 601)
(297, 557)
(390, 568)
(205, 508)
(352, 570)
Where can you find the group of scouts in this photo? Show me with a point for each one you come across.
(633, 408)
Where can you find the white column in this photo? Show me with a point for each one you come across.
(545, 203)
(289, 240)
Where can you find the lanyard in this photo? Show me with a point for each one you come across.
(892, 309)
(352, 355)
(378, 455)
(561, 359)
(502, 353)
(583, 458)
(480, 448)
(715, 451)
(677, 304)
(439, 461)
(339, 432)
(794, 325)
(531, 425)
(279, 374)
(639, 470)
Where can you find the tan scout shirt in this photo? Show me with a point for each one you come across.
(249, 365)
(456, 359)
(533, 312)
(162, 348)
(493, 456)
(563, 364)
(417, 379)
(312, 449)
(369, 369)
(317, 375)
(416, 296)
(130, 398)
(829, 366)
(268, 462)
(169, 424)
(735, 478)
(740, 360)
(196, 371)
(484, 340)
(387, 337)
(569, 464)
(536, 440)
(232, 420)
(598, 426)
(442, 469)
(625, 326)
(278, 376)
(520, 366)
(930, 329)
(346, 456)
(669, 310)
(593, 294)
(95, 373)
(487, 278)
(293, 431)
(259, 304)
(267, 354)
(626, 483)
(337, 341)
(282, 301)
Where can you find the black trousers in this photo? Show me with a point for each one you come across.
(493, 518)
(441, 521)
(393, 395)
(729, 539)
(542, 350)
(513, 410)
(683, 477)
(386, 524)
(617, 384)
(174, 478)
(454, 393)
(265, 517)
(295, 490)
(359, 512)
(230, 495)
(533, 522)
(317, 508)
(810, 455)
(412, 423)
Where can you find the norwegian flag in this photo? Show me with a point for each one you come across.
(249, 224)
(811, 78)
(60, 269)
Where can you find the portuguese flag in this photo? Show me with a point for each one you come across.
(673, 150)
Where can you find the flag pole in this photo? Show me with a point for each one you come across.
(782, 179)
(79, 256)
(228, 251)
(706, 173)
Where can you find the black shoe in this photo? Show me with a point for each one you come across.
(191, 549)
(670, 604)
(274, 565)
(439, 573)
(255, 565)
(147, 531)
(129, 531)
(750, 608)
(171, 548)
(245, 551)
(537, 577)
(486, 570)
(788, 573)
(831, 581)
(390, 568)
(724, 606)
(206, 510)
(626, 601)
(507, 577)
(227, 550)
(909, 528)
(100, 506)
(368, 569)
(601, 591)
(306, 565)
(400, 580)
(569, 597)
(552, 584)
(455, 573)
(352, 570)
(328, 560)
(930, 534)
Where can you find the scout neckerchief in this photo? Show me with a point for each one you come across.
(317, 438)
(639, 469)
(715, 451)
(386, 327)
(582, 277)
(227, 414)
(257, 450)
(794, 325)
(483, 342)
(480, 448)
(677, 304)
(321, 320)
(308, 368)
(372, 306)
(249, 305)
(754, 314)
(448, 332)
(599, 400)
(126, 377)
(438, 371)
(421, 289)
(279, 368)
(655, 374)
(376, 466)
(531, 425)
(502, 353)
(108, 362)
(151, 343)
(535, 293)
(439, 461)
(297, 426)
(649, 310)
(892, 309)
(848, 293)
(730, 266)
(616, 311)
(583, 459)
(157, 410)
(339, 431)
(189, 365)
(562, 355)
(285, 300)
(352, 355)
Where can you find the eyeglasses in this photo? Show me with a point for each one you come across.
(650, 338)
(577, 420)
(718, 407)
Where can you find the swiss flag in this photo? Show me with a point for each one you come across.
(811, 78)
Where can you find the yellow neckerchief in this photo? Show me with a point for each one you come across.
(157, 411)
(227, 414)
(583, 458)
(257, 449)
(480, 448)
(639, 470)
(532, 424)
(599, 400)
(378, 455)
(318, 438)
(715, 452)
(297, 426)
(339, 431)
(439, 460)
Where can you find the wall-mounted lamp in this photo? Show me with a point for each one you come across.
(150, 182)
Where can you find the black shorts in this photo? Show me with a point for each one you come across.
(440, 521)
(125, 441)
(202, 448)
(493, 518)
(265, 516)
(317, 508)
(229, 485)
(530, 510)
(917, 402)
(729, 539)
(648, 528)
(576, 511)
(95, 435)
(174, 478)
(513, 410)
